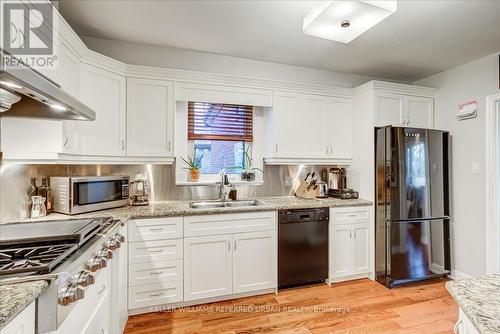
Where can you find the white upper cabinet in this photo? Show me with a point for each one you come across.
(389, 109)
(150, 109)
(420, 111)
(309, 128)
(105, 93)
(397, 109)
(338, 128)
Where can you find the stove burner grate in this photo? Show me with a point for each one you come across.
(36, 259)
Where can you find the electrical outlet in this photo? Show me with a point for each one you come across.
(288, 181)
(475, 168)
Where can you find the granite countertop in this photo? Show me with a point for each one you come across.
(181, 208)
(16, 297)
(479, 298)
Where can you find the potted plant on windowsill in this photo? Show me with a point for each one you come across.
(248, 171)
(194, 166)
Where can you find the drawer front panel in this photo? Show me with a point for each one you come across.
(350, 215)
(229, 223)
(155, 229)
(155, 272)
(155, 294)
(158, 250)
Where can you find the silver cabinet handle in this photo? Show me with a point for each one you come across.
(331, 149)
(156, 229)
(158, 272)
(276, 148)
(101, 290)
(457, 326)
(228, 246)
(350, 234)
(235, 244)
(123, 145)
(156, 250)
(354, 234)
(66, 139)
(169, 146)
(156, 294)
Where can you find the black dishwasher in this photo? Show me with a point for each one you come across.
(302, 246)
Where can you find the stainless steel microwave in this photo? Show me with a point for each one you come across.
(73, 195)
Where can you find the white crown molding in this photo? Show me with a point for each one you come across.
(396, 88)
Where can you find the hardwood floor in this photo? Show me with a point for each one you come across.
(359, 306)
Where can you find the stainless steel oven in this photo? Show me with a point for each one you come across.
(73, 195)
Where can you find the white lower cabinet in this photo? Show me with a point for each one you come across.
(23, 323)
(349, 243)
(254, 261)
(464, 325)
(99, 321)
(208, 267)
(155, 266)
(119, 286)
(229, 263)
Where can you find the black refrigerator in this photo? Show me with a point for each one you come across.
(412, 225)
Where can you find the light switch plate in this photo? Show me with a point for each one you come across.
(475, 168)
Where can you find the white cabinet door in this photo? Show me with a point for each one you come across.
(341, 250)
(287, 117)
(150, 106)
(23, 323)
(338, 127)
(361, 251)
(298, 126)
(119, 288)
(104, 92)
(207, 267)
(389, 109)
(254, 261)
(99, 321)
(69, 69)
(420, 111)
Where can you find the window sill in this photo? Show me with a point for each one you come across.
(216, 183)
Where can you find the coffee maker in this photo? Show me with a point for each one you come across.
(337, 184)
(139, 191)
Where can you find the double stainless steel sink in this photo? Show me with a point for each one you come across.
(224, 204)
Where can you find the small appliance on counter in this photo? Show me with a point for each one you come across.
(337, 184)
(74, 195)
(139, 191)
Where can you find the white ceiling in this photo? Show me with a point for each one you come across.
(420, 39)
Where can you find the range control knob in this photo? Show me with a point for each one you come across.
(112, 243)
(119, 237)
(72, 294)
(106, 254)
(85, 278)
(96, 263)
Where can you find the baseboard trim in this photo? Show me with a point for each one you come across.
(456, 275)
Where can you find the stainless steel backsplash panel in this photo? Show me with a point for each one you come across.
(15, 183)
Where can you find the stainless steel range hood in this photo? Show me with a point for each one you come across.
(25, 92)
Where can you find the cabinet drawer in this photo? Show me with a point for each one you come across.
(155, 229)
(158, 250)
(155, 272)
(155, 294)
(229, 223)
(350, 215)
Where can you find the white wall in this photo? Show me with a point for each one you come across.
(474, 80)
(169, 57)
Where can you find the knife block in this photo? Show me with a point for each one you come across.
(301, 191)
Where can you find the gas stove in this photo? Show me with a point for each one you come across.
(67, 253)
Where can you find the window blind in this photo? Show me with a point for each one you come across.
(210, 121)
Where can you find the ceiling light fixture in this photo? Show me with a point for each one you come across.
(344, 20)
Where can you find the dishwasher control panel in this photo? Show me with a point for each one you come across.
(303, 215)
